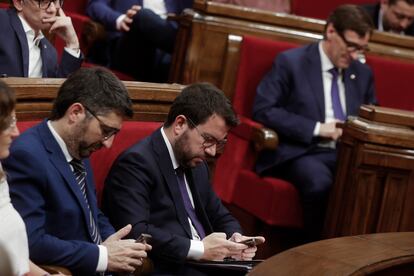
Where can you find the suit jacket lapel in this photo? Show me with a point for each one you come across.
(351, 95)
(58, 159)
(199, 207)
(21, 35)
(313, 70)
(170, 178)
(43, 46)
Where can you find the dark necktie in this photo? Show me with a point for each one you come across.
(336, 100)
(80, 176)
(187, 203)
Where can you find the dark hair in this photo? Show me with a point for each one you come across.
(393, 2)
(199, 102)
(95, 88)
(352, 18)
(7, 104)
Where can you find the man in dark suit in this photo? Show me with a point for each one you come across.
(140, 39)
(396, 16)
(25, 52)
(51, 181)
(161, 186)
(307, 92)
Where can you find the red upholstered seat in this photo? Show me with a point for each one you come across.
(272, 200)
(393, 81)
(321, 8)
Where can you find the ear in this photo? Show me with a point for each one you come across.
(180, 125)
(330, 30)
(75, 113)
(18, 5)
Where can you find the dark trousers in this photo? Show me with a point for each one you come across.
(313, 175)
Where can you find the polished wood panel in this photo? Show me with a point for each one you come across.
(375, 254)
(374, 186)
(204, 51)
(151, 102)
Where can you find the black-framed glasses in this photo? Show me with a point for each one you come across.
(107, 131)
(45, 4)
(352, 46)
(209, 140)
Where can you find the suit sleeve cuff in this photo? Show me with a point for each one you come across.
(103, 259)
(196, 250)
(317, 129)
(73, 52)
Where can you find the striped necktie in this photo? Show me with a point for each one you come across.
(80, 176)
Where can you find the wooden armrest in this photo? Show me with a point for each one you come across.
(262, 138)
(53, 269)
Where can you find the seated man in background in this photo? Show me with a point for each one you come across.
(395, 16)
(274, 5)
(308, 91)
(25, 52)
(51, 181)
(161, 186)
(140, 38)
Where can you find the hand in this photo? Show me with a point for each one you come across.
(330, 131)
(217, 247)
(248, 253)
(127, 20)
(124, 255)
(63, 27)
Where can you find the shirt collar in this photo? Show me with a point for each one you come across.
(325, 61)
(30, 33)
(170, 149)
(60, 142)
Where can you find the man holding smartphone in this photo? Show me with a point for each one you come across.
(161, 186)
(25, 52)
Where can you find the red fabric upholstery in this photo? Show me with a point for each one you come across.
(131, 132)
(272, 200)
(320, 8)
(75, 6)
(102, 160)
(393, 82)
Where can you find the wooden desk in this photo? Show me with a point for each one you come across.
(375, 254)
(374, 186)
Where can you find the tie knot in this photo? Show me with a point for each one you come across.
(77, 165)
(334, 71)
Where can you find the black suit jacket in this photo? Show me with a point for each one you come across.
(142, 189)
(373, 11)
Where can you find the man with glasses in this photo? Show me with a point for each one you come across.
(308, 91)
(51, 182)
(25, 52)
(161, 186)
(395, 16)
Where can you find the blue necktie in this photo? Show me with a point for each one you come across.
(187, 203)
(336, 100)
(80, 175)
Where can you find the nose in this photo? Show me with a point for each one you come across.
(211, 151)
(108, 143)
(54, 4)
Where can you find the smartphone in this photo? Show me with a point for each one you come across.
(249, 242)
(144, 238)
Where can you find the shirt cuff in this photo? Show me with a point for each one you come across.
(119, 21)
(317, 129)
(196, 250)
(103, 259)
(73, 52)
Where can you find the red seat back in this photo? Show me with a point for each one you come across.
(393, 82)
(321, 8)
(256, 57)
(75, 6)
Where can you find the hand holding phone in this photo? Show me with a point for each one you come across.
(144, 238)
(253, 241)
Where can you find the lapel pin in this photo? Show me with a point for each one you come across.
(352, 76)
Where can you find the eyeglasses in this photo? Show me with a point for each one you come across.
(45, 4)
(352, 46)
(107, 131)
(209, 140)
